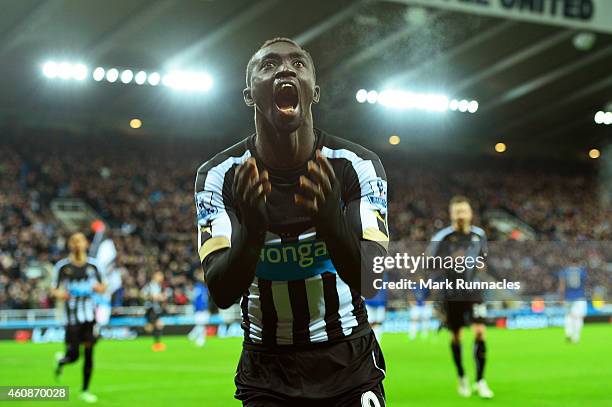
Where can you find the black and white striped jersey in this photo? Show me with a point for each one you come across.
(449, 242)
(296, 297)
(150, 292)
(78, 282)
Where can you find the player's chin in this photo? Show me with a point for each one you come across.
(287, 122)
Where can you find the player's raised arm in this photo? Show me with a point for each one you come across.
(100, 285)
(231, 234)
(355, 235)
(57, 291)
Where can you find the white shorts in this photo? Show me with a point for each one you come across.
(103, 313)
(376, 315)
(424, 311)
(201, 317)
(577, 308)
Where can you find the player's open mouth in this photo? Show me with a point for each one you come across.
(286, 98)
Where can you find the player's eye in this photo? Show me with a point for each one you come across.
(267, 65)
(299, 63)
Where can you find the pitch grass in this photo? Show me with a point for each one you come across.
(525, 368)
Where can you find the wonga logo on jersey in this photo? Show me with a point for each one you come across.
(293, 261)
(205, 207)
(80, 288)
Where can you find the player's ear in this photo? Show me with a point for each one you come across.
(317, 94)
(248, 98)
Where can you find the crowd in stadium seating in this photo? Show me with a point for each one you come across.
(144, 191)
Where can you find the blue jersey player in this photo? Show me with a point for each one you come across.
(421, 312)
(201, 314)
(572, 290)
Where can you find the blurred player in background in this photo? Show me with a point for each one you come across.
(200, 308)
(155, 299)
(572, 281)
(75, 279)
(287, 220)
(463, 308)
(103, 249)
(421, 313)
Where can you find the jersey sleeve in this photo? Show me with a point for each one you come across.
(56, 276)
(97, 275)
(484, 242)
(433, 248)
(435, 245)
(484, 249)
(215, 217)
(561, 275)
(366, 186)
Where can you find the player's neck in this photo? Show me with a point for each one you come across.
(78, 259)
(284, 150)
(465, 228)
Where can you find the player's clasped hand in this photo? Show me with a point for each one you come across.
(319, 192)
(250, 190)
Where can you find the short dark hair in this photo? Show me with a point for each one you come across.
(459, 199)
(267, 43)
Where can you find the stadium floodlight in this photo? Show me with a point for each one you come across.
(607, 118)
(154, 79)
(393, 99)
(436, 103)
(402, 99)
(179, 80)
(424, 102)
(372, 96)
(473, 106)
(126, 76)
(50, 69)
(594, 153)
(397, 99)
(140, 78)
(599, 117)
(361, 95)
(187, 81)
(64, 70)
(79, 72)
(168, 79)
(201, 81)
(98, 74)
(112, 75)
(175, 80)
(500, 147)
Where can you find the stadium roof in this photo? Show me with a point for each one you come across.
(535, 88)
